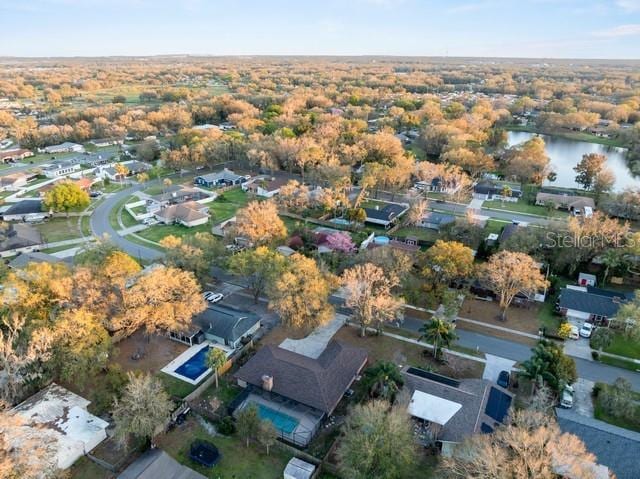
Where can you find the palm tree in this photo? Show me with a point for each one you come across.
(538, 367)
(611, 259)
(216, 358)
(383, 380)
(439, 332)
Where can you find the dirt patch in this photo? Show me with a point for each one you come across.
(384, 348)
(521, 319)
(149, 354)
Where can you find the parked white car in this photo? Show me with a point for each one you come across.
(586, 330)
(566, 399)
(213, 297)
(574, 333)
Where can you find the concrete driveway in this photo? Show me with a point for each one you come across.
(582, 399)
(494, 365)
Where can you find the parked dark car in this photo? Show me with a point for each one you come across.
(205, 453)
(504, 379)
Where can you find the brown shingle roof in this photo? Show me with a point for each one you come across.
(319, 383)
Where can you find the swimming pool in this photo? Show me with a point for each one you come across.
(195, 366)
(282, 422)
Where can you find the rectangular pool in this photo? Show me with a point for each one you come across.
(282, 422)
(195, 366)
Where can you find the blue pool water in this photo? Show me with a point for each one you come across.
(281, 421)
(339, 221)
(195, 366)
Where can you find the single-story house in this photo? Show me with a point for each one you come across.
(590, 304)
(16, 154)
(25, 210)
(615, 448)
(187, 214)
(494, 189)
(225, 177)
(133, 168)
(576, 205)
(176, 194)
(18, 236)
(60, 418)
(155, 464)
(387, 214)
(60, 168)
(66, 147)
(23, 259)
(102, 142)
(265, 187)
(435, 221)
(317, 383)
(226, 325)
(13, 182)
(439, 185)
(451, 410)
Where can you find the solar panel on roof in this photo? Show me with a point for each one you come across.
(433, 377)
(497, 405)
(485, 428)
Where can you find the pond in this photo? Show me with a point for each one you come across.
(565, 154)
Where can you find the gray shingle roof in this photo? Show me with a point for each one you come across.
(472, 395)
(156, 464)
(590, 302)
(24, 207)
(319, 383)
(613, 446)
(387, 213)
(225, 322)
(438, 218)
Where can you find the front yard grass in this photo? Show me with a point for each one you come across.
(624, 346)
(127, 220)
(237, 461)
(619, 363)
(59, 229)
(157, 232)
(524, 207)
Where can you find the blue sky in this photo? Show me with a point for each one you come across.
(517, 28)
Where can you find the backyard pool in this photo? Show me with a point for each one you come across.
(195, 366)
(282, 422)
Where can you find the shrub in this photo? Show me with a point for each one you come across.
(601, 338)
(597, 387)
(564, 330)
(226, 426)
(595, 355)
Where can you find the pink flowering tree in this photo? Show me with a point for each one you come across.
(340, 241)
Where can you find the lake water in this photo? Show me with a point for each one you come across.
(565, 154)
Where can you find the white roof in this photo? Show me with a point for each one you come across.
(59, 418)
(432, 408)
(298, 469)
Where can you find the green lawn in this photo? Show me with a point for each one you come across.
(59, 229)
(547, 317)
(237, 462)
(127, 219)
(424, 234)
(623, 346)
(157, 232)
(84, 468)
(524, 207)
(620, 363)
(174, 386)
(113, 214)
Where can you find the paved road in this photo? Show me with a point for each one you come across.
(100, 226)
(591, 370)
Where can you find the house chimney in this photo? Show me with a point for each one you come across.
(267, 382)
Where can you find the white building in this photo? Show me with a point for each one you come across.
(66, 147)
(59, 418)
(60, 168)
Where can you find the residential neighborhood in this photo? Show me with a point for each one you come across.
(231, 265)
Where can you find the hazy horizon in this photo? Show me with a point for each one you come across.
(533, 29)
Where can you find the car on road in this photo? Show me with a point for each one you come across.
(586, 330)
(503, 379)
(566, 399)
(574, 333)
(212, 297)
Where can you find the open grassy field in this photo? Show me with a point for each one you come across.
(157, 232)
(424, 234)
(524, 207)
(238, 461)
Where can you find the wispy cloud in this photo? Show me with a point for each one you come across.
(629, 5)
(620, 31)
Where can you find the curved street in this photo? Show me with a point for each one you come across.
(100, 226)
